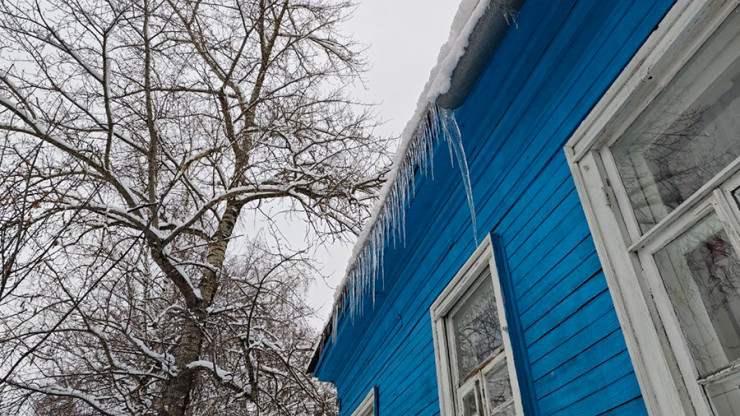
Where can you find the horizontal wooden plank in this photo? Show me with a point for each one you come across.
(552, 354)
(595, 387)
(565, 309)
(623, 390)
(589, 357)
(634, 407)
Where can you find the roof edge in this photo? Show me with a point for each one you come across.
(451, 81)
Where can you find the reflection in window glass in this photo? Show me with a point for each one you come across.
(498, 387)
(701, 272)
(507, 411)
(725, 397)
(470, 406)
(477, 332)
(688, 134)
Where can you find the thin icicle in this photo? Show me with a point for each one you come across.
(455, 140)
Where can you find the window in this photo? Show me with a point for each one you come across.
(658, 162)
(367, 406)
(471, 343)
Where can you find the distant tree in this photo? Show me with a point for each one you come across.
(153, 154)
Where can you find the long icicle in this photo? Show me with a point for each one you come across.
(439, 124)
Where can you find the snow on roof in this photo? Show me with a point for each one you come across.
(468, 14)
(428, 125)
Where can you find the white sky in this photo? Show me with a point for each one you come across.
(403, 39)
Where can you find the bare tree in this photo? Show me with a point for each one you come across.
(152, 153)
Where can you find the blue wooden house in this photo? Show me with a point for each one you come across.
(579, 256)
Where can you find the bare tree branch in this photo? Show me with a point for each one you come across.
(167, 168)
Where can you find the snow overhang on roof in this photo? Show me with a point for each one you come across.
(477, 30)
(488, 33)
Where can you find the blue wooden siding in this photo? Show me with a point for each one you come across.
(545, 77)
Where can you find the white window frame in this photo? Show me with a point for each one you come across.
(663, 365)
(456, 290)
(367, 405)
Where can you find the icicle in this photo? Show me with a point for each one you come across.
(390, 224)
(429, 125)
(455, 140)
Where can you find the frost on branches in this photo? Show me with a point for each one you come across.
(151, 153)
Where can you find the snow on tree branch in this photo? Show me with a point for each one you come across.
(158, 158)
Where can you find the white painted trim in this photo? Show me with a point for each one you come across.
(683, 209)
(444, 377)
(717, 203)
(493, 365)
(671, 324)
(456, 290)
(654, 339)
(508, 350)
(367, 405)
(655, 370)
(466, 388)
(683, 30)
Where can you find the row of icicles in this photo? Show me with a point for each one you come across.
(389, 224)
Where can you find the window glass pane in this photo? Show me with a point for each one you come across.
(476, 328)
(470, 406)
(688, 134)
(498, 387)
(725, 397)
(701, 272)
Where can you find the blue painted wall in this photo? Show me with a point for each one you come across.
(546, 76)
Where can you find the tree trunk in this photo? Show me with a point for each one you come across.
(176, 395)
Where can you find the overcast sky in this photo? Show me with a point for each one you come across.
(403, 39)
